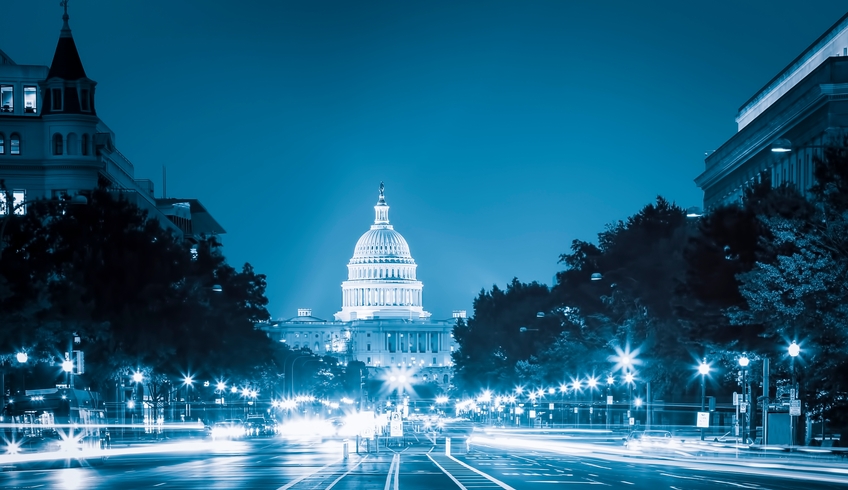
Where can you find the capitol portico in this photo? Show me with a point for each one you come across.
(382, 322)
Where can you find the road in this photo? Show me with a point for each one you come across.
(275, 464)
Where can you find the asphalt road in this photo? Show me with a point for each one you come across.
(275, 464)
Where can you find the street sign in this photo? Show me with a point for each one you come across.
(735, 398)
(550, 406)
(575, 409)
(632, 421)
(795, 408)
(396, 425)
(703, 419)
(743, 407)
(792, 394)
(532, 414)
(609, 399)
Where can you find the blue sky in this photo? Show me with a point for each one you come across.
(502, 130)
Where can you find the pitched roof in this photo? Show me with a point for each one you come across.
(66, 60)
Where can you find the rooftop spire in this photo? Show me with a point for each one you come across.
(66, 29)
(66, 61)
(382, 194)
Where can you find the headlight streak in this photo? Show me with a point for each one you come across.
(623, 455)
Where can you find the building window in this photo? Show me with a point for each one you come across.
(84, 99)
(368, 347)
(85, 144)
(57, 144)
(15, 144)
(30, 100)
(7, 98)
(56, 101)
(18, 197)
(369, 360)
(2, 144)
(434, 360)
(72, 144)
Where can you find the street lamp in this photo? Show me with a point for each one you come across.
(187, 381)
(610, 382)
(794, 350)
(628, 378)
(743, 362)
(704, 369)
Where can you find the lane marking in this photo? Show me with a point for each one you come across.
(460, 485)
(484, 475)
(346, 473)
(303, 477)
(627, 482)
(596, 465)
(395, 462)
(159, 484)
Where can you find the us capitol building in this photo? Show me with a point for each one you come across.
(382, 321)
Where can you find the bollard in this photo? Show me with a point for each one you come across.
(447, 446)
(345, 449)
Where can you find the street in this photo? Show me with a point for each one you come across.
(277, 464)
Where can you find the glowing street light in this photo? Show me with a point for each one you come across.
(67, 366)
(22, 357)
(138, 377)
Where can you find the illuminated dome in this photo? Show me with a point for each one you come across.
(381, 274)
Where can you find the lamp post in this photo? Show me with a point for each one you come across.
(704, 369)
(187, 381)
(628, 378)
(592, 383)
(610, 381)
(794, 350)
(575, 386)
(743, 363)
(563, 388)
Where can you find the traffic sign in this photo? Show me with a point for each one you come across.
(735, 398)
(743, 407)
(795, 408)
(703, 419)
(396, 425)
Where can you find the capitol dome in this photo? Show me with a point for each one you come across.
(381, 274)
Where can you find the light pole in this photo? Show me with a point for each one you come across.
(592, 383)
(187, 381)
(22, 359)
(610, 381)
(704, 369)
(743, 363)
(575, 385)
(794, 350)
(562, 389)
(628, 378)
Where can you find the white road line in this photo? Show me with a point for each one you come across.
(596, 465)
(303, 477)
(395, 459)
(346, 473)
(460, 485)
(484, 475)
(159, 484)
(627, 482)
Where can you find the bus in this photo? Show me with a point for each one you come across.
(69, 417)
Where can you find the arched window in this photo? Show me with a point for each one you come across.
(57, 144)
(2, 144)
(73, 142)
(445, 378)
(15, 144)
(84, 144)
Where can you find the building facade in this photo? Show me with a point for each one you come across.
(802, 110)
(52, 143)
(382, 322)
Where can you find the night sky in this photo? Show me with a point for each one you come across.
(502, 130)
